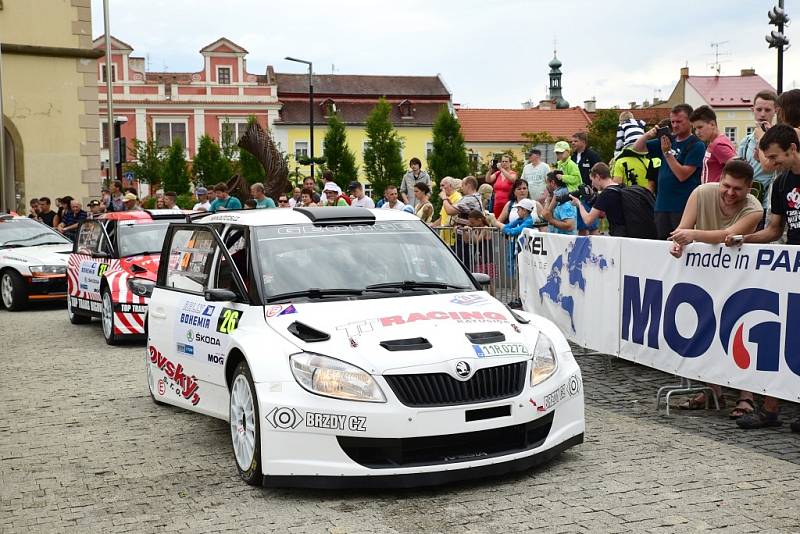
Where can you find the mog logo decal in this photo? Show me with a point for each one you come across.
(642, 313)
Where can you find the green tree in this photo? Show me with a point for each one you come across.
(449, 155)
(209, 165)
(383, 162)
(339, 159)
(148, 161)
(176, 173)
(603, 132)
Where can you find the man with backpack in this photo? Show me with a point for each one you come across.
(629, 210)
(682, 163)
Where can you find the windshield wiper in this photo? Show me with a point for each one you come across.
(314, 293)
(51, 243)
(15, 245)
(35, 236)
(410, 285)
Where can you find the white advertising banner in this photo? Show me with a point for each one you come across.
(728, 316)
(574, 282)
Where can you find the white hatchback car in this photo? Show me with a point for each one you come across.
(350, 348)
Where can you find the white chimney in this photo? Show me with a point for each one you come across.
(590, 106)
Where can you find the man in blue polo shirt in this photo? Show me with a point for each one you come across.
(682, 164)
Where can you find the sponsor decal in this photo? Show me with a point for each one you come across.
(84, 304)
(565, 391)
(280, 309)
(461, 317)
(228, 320)
(84, 287)
(187, 386)
(195, 320)
(132, 308)
(199, 308)
(218, 359)
(162, 387)
(501, 349)
(463, 369)
(469, 300)
(232, 218)
(191, 335)
(185, 348)
(291, 418)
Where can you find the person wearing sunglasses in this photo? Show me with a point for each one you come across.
(283, 201)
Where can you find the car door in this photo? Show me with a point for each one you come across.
(189, 336)
(87, 264)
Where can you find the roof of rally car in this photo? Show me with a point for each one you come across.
(323, 215)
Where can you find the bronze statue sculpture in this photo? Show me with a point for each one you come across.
(259, 143)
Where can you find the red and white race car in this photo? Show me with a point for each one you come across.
(112, 270)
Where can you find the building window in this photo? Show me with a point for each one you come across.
(368, 190)
(406, 110)
(750, 130)
(167, 132)
(224, 75)
(328, 108)
(230, 131)
(428, 151)
(113, 73)
(300, 149)
(104, 134)
(730, 133)
(474, 159)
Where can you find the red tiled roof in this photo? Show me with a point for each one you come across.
(649, 115)
(347, 84)
(508, 125)
(728, 91)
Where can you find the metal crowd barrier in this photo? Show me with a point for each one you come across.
(486, 250)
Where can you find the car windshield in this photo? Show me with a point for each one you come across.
(28, 233)
(298, 257)
(141, 238)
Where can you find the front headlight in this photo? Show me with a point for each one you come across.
(48, 269)
(334, 378)
(141, 286)
(544, 360)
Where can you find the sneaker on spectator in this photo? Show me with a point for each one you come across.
(759, 419)
(795, 426)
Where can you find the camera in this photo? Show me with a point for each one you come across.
(662, 131)
(495, 164)
(584, 193)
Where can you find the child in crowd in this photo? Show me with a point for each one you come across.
(628, 131)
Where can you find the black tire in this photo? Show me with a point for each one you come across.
(252, 474)
(13, 291)
(76, 318)
(108, 330)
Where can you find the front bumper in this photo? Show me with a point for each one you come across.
(312, 441)
(47, 287)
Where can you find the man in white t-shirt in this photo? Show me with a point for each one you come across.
(202, 200)
(392, 202)
(360, 200)
(535, 173)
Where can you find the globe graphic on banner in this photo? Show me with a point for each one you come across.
(579, 255)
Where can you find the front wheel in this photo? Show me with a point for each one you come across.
(245, 426)
(107, 317)
(13, 290)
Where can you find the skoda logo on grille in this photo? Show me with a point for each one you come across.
(463, 370)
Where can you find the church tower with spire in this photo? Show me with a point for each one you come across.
(555, 83)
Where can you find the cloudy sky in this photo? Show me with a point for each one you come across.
(490, 53)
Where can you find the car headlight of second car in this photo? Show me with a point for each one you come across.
(141, 286)
(48, 269)
(334, 378)
(544, 362)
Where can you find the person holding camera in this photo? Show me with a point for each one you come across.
(682, 156)
(501, 176)
(607, 205)
(559, 211)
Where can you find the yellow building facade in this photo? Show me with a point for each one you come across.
(51, 128)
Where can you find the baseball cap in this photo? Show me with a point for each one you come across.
(561, 146)
(354, 185)
(130, 196)
(526, 203)
(331, 186)
(201, 191)
(93, 203)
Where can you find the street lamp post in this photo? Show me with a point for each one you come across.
(310, 109)
(777, 39)
(109, 94)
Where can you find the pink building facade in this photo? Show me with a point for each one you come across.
(185, 105)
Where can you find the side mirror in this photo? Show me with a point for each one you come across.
(100, 254)
(482, 278)
(220, 295)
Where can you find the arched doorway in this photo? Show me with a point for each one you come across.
(12, 189)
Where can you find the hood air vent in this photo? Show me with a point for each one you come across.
(480, 338)
(414, 343)
(306, 333)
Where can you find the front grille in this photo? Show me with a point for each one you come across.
(382, 453)
(441, 389)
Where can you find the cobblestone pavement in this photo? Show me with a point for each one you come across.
(83, 449)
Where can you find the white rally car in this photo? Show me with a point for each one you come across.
(350, 348)
(33, 262)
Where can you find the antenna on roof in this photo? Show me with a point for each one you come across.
(717, 64)
(147, 61)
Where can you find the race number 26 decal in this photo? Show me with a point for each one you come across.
(228, 320)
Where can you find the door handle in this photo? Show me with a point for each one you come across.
(158, 314)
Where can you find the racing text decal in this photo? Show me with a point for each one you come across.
(188, 384)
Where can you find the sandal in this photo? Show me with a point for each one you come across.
(740, 411)
(759, 419)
